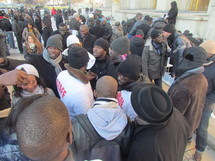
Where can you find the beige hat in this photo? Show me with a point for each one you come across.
(209, 46)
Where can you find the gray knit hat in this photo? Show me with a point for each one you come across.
(56, 41)
(121, 45)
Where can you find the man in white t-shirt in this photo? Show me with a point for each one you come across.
(73, 84)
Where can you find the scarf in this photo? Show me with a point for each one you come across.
(107, 119)
(38, 90)
(55, 62)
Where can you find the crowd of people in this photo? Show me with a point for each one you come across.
(92, 90)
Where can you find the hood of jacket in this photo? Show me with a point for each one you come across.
(107, 119)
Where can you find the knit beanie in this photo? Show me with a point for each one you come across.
(130, 67)
(170, 28)
(121, 45)
(103, 43)
(77, 57)
(151, 103)
(155, 33)
(72, 39)
(55, 41)
(209, 46)
(29, 69)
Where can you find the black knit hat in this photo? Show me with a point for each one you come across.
(170, 28)
(103, 43)
(77, 57)
(121, 45)
(151, 103)
(55, 41)
(130, 67)
(155, 33)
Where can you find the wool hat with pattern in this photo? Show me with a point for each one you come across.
(151, 103)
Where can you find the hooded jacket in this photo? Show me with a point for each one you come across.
(109, 122)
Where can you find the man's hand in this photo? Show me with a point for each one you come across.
(14, 77)
(2, 61)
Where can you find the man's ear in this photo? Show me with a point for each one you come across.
(95, 94)
(69, 135)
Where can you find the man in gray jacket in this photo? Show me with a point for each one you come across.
(154, 57)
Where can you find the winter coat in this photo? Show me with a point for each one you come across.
(47, 31)
(45, 69)
(58, 19)
(106, 31)
(25, 33)
(180, 42)
(75, 91)
(209, 73)
(116, 33)
(102, 68)
(3, 47)
(17, 29)
(161, 142)
(173, 12)
(7, 25)
(88, 42)
(38, 24)
(153, 63)
(64, 37)
(136, 45)
(127, 26)
(188, 96)
(83, 144)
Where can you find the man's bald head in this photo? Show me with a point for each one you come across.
(43, 129)
(84, 30)
(106, 86)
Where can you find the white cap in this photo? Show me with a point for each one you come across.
(29, 69)
(72, 39)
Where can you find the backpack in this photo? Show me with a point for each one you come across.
(102, 149)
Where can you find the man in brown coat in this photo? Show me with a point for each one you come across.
(189, 90)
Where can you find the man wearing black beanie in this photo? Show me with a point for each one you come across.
(178, 43)
(103, 65)
(154, 57)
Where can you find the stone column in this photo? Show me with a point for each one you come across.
(210, 32)
(115, 7)
(107, 3)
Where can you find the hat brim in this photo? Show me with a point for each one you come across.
(138, 109)
(91, 61)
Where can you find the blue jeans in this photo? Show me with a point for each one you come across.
(10, 39)
(202, 130)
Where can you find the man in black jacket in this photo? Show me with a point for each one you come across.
(64, 32)
(86, 38)
(103, 65)
(49, 64)
(156, 136)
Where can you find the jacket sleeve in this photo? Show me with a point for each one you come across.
(180, 46)
(11, 64)
(37, 33)
(145, 57)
